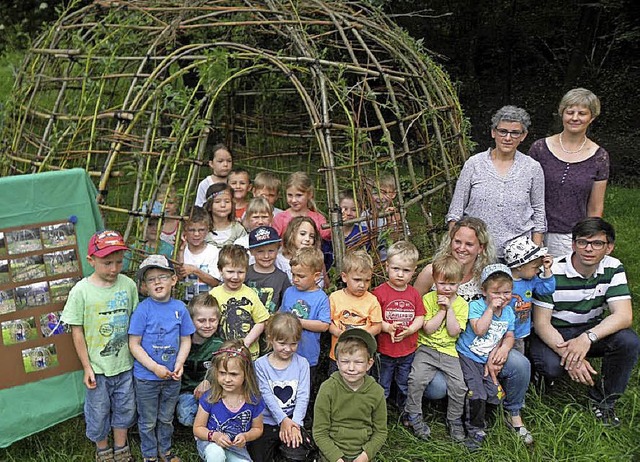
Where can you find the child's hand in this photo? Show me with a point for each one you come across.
(201, 389)
(495, 302)
(177, 373)
(444, 302)
(402, 334)
(290, 433)
(363, 457)
(89, 378)
(240, 440)
(162, 372)
(223, 441)
(547, 261)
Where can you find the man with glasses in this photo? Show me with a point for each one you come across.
(571, 325)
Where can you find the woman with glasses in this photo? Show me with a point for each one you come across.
(502, 186)
(575, 168)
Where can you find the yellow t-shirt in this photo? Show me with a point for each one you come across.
(440, 340)
(348, 312)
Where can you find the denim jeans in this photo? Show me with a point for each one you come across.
(619, 353)
(156, 401)
(111, 404)
(211, 452)
(399, 369)
(437, 388)
(187, 409)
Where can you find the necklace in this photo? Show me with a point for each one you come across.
(572, 152)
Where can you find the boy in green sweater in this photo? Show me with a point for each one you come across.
(350, 415)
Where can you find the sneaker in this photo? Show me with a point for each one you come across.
(105, 455)
(475, 440)
(122, 455)
(419, 427)
(522, 432)
(456, 431)
(607, 416)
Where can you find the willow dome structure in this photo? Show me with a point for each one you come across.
(136, 92)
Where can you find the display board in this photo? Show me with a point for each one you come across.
(46, 221)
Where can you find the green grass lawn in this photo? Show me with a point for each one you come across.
(562, 425)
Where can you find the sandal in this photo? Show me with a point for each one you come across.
(170, 457)
(122, 455)
(105, 455)
(524, 434)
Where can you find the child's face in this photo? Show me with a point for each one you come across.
(304, 278)
(271, 195)
(305, 236)
(357, 281)
(354, 366)
(152, 231)
(222, 163)
(400, 271)
(259, 219)
(284, 349)
(240, 184)
(158, 283)
(171, 203)
(265, 255)
(107, 268)
(384, 196)
(221, 205)
(195, 234)
(528, 270)
(348, 208)
(206, 321)
(230, 378)
(297, 199)
(233, 276)
(498, 290)
(445, 286)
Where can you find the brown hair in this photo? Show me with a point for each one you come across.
(302, 182)
(448, 268)
(203, 299)
(283, 326)
(351, 346)
(309, 257)
(212, 192)
(233, 350)
(288, 248)
(267, 180)
(233, 255)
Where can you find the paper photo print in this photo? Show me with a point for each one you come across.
(32, 295)
(7, 303)
(3, 244)
(58, 235)
(39, 358)
(59, 288)
(51, 325)
(18, 331)
(61, 262)
(28, 268)
(4, 272)
(23, 240)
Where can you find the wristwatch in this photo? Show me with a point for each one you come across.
(592, 336)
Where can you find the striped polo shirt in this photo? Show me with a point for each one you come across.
(578, 301)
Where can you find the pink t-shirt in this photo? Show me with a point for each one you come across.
(401, 306)
(281, 220)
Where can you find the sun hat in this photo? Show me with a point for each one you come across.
(104, 243)
(521, 251)
(263, 235)
(155, 261)
(493, 269)
(362, 335)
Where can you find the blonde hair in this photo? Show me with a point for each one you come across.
(580, 97)
(203, 300)
(302, 182)
(405, 250)
(283, 326)
(233, 350)
(448, 268)
(267, 180)
(351, 346)
(357, 260)
(233, 255)
(309, 257)
(288, 238)
(256, 205)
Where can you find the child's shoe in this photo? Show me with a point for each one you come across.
(524, 434)
(104, 455)
(122, 455)
(475, 440)
(170, 457)
(456, 430)
(419, 427)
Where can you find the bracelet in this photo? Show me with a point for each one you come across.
(210, 435)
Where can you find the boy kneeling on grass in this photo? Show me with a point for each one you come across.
(350, 414)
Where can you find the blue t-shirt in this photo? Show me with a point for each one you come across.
(160, 324)
(478, 348)
(358, 237)
(523, 292)
(313, 306)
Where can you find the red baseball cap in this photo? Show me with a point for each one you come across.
(104, 243)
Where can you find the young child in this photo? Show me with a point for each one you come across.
(230, 413)
(491, 323)
(159, 340)
(301, 204)
(268, 281)
(224, 227)
(524, 257)
(168, 200)
(350, 413)
(105, 298)
(308, 302)
(402, 317)
(356, 235)
(221, 164)
(267, 185)
(445, 318)
(301, 232)
(383, 192)
(149, 245)
(240, 182)
(259, 213)
(242, 313)
(205, 314)
(199, 260)
(283, 378)
(354, 306)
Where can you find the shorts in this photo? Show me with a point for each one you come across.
(111, 404)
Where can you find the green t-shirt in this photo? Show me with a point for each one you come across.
(198, 363)
(104, 314)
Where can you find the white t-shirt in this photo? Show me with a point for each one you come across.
(206, 261)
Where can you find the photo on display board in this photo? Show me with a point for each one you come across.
(59, 288)
(62, 262)
(4, 272)
(18, 331)
(7, 303)
(23, 240)
(58, 235)
(39, 358)
(32, 295)
(28, 268)
(3, 244)
(51, 325)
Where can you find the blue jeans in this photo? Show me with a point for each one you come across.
(211, 452)
(399, 369)
(187, 409)
(437, 388)
(157, 401)
(111, 404)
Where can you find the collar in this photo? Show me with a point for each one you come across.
(571, 272)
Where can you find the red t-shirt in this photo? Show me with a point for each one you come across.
(401, 306)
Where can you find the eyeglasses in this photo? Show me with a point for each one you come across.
(595, 245)
(515, 134)
(161, 278)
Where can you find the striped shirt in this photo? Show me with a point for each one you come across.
(583, 301)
